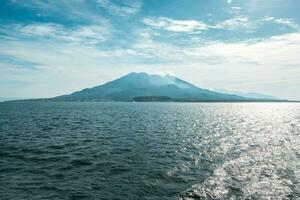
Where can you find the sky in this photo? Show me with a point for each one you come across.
(55, 47)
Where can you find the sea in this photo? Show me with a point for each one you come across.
(151, 151)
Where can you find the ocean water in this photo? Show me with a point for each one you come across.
(149, 151)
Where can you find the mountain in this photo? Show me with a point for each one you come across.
(134, 85)
(252, 95)
(255, 95)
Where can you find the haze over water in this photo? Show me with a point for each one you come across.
(149, 150)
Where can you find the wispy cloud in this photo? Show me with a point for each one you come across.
(237, 23)
(288, 22)
(48, 29)
(77, 10)
(194, 26)
(283, 21)
(14, 62)
(122, 9)
(189, 26)
(83, 34)
(234, 23)
(236, 8)
(277, 50)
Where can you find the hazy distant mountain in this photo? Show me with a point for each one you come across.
(251, 95)
(134, 85)
(2, 99)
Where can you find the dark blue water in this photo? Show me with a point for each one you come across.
(149, 151)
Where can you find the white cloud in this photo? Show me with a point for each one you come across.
(236, 8)
(234, 23)
(48, 29)
(277, 50)
(194, 26)
(283, 21)
(126, 9)
(268, 18)
(91, 33)
(88, 34)
(229, 1)
(188, 26)
(288, 22)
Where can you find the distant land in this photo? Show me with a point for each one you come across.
(152, 99)
(2, 99)
(253, 95)
(144, 87)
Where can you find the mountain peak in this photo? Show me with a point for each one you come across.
(149, 74)
(137, 73)
(143, 79)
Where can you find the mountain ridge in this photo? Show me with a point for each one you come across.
(150, 86)
(140, 84)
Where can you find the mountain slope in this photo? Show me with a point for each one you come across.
(142, 84)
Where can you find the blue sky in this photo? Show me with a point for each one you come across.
(52, 47)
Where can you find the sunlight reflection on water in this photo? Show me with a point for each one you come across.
(150, 150)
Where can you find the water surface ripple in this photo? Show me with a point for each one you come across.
(149, 151)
